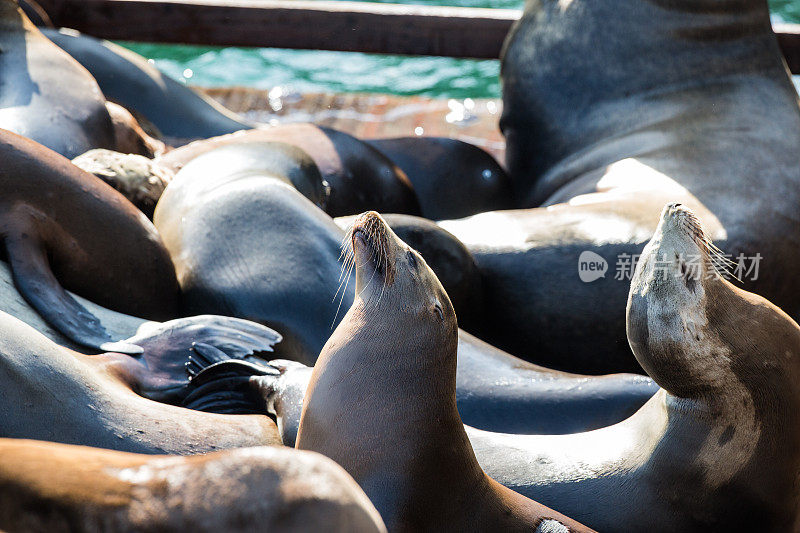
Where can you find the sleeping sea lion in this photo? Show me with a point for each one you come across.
(58, 487)
(64, 229)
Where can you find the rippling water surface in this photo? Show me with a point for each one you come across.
(322, 71)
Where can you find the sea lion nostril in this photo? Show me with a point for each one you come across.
(675, 208)
(360, 235)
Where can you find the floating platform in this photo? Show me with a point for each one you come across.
(374, 115)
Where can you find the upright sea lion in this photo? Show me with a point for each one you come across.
(452, 178)
(448, 258)
(64, 229)
(359, 176)
(398, 342)
(257, 249)
(611, 109)
(129, 80)
(719, 447)
(58, 487)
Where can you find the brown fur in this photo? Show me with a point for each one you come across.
(381, 401)
(58, 487)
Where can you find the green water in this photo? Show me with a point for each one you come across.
(323, 71)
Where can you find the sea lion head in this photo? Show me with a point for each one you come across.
(391, 277)
(694, 332)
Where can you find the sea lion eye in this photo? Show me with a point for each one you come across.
(438, 308)
(412, 260)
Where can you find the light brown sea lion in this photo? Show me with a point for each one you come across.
(382, 401)
(65, 229)
(718, 449)
(129, 137)
(58, 487)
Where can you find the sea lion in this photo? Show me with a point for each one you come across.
(452, 178)
(58, 487)
(611, 109)
(128, 79)
(137, 178)
(35, 13)
(97, 400)
(494, 392)
(448, 258)
(719, 447)
(47, 96)
(359, 176)
(234, 162)
(55, 394)
(64, 229)
(252, 247)
(257, 249)
(129, 137)
(398, 341)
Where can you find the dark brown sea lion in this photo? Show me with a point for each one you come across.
(382, 400)
(55, 394)
(452, 178)
(128, 79)
(129, 137)
(58, 487)
(64, 229)
(359, 176)
(718, 449)
(47, 96)
(257, 249)
(613, 108)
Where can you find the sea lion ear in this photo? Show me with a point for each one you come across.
(437, 308)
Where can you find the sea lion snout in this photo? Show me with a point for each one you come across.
(372, 247)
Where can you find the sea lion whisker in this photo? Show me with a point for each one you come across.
(341, 299)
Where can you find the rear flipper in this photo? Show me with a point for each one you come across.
(239, 387)
(160, 372)
(36, 283)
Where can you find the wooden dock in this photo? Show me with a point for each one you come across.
(374, 115)
(316, 25)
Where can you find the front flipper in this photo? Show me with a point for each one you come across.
(36, 283)
(159, 373)
(237, 387)
(223, 387)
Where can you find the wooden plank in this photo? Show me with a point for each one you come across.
(313, 25)
(316, 25)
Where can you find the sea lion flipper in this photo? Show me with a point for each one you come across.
(163, 371)
(229, 338)
(36, 283)
(224, 386)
